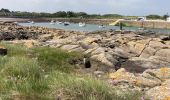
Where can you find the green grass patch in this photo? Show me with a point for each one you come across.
(44, 73)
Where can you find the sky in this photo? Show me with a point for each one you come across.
(123, 7)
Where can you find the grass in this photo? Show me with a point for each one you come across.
(46, 74)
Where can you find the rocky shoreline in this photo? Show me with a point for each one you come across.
(142, 59)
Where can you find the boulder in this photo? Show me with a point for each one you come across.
(147, 52)
(157, 44)
(138, 46)
(89, 40)
(105, 58)
(69, 47)
(159, 92)
(164, 53)
(124, 76)
(98, 51)
(30, 43)
(161, 74)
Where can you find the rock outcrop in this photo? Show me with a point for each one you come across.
(134, 51)
(154, 82)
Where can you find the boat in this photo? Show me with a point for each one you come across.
(32, 22)
(66, 23)
(52, 22)
(101, 26)
(82, 24)
(57, 22)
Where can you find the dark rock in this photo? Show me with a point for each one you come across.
(7, 36)
(3, 51)
(165, 38)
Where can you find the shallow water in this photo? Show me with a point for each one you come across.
(89, 27)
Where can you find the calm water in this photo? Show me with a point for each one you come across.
(88, 27)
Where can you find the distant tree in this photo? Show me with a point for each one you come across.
(71, 14)
(154, 17)
(59, 14)
(81, 14)
(4, 10)
(112, 16)
(165, 16)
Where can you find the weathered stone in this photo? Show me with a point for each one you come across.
(147, 52)
(145, 82)
(138, 46)
(30, 43)
(69, 47)
(105, 58)
(122, 74)
(98, 51)
(160, 92)
(90, 40)
(157, 44)
(161, 74)
(164, 53)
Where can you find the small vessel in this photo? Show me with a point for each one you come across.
(32, 22)
(82, 24)
(101, 26)
(57, 22)
(66, 23)
(52, 22)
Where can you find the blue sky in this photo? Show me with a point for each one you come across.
(124, 7)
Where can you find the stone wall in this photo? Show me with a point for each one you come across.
(149, 24)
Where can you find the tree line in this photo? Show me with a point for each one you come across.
(59, 14)
(68, 14)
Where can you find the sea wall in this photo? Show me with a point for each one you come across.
(148, 24)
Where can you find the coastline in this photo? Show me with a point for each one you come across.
(140, 58)
(129, 23)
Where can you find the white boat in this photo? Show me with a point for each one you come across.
(52, 22)
(101, 26)
(66, 23)
(32, 22)
(82, 24)
(57, 22)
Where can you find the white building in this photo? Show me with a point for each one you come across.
(168, 19)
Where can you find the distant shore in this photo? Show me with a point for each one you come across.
(144, 24)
